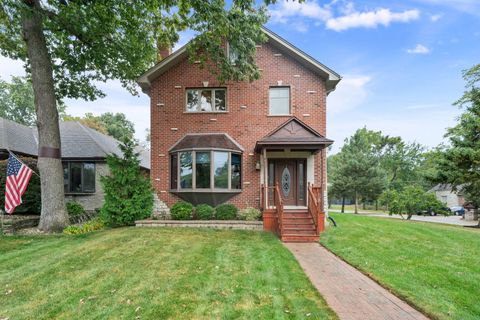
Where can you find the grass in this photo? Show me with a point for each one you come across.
(434, 267)
(136, 273)
(351, 208)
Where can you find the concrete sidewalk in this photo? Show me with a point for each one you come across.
(350, 293)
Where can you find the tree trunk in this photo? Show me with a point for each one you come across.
(343, 204)
(356, 202)
(376, 205)
(53, 215)
(364, 205)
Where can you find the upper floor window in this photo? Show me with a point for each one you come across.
(79, 177)
(279, 101)
(232, 54)
(206, 100)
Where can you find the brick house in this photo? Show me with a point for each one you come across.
(258, 144)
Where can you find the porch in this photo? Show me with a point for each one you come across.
(293, 180)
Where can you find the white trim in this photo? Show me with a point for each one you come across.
(333, 78)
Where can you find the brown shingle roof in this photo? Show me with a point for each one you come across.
(207, 140)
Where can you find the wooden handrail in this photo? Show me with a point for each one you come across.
(279, 208)
(315, 207)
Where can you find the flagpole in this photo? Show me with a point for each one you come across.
(1, 223)
(13, 154)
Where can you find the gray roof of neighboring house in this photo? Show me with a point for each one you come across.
(445, 187)
(78, 141)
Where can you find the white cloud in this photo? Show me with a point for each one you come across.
(308, 9)
(370, 19)
(419, 49)
(351, 92)
(10, 68)
(436, 17)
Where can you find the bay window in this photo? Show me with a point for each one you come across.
(205, 170)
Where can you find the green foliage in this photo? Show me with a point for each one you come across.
(92, 225)
(226, 211)
(410, 201)
(181, 211)
(31, 200)
(128, 192)
(115, 125)
(74, 208)
(249, 214)
(459, 163)
(204, 212)
(122, 41)
(356, 170)
(17, 102)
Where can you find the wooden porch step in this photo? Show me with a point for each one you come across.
(298, 220)
(293, 227)
(299, 238)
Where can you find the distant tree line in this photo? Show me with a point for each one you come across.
(375, 168)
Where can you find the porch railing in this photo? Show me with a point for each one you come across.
(272, 200)
(315, 207)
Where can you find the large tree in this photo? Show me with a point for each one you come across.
(17, 102)
(459, 163)
(68, 45)
(357, 169)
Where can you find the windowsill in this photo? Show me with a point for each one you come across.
(280, 115)
(206, 190)
(204, 112)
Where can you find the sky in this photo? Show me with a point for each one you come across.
(401, 64)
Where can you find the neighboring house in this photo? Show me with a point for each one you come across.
(447, 195)
(218, 142)
(84, 153)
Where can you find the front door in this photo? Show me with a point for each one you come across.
(290, 176)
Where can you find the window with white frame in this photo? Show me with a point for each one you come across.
(205, 170)
(279, 101)
(206, 100)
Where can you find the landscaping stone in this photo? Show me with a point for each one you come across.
(216, 224)
(160, 209)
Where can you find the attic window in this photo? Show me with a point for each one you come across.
(232, 54)
(206, 100)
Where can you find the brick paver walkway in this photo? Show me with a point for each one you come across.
(350, 293)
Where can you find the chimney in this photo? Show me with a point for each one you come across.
(163, 52)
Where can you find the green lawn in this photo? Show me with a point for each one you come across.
(434, 267)
(351, 208)
(154, 274)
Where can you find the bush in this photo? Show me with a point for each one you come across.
(204, 212)
(249, 214)
(92, 225)
(128, 192)
(226, 212)
(181, 211)
(31, 200)
(75, 208)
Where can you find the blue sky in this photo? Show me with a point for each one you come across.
(401, 63)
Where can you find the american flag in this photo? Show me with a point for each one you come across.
(18, 176)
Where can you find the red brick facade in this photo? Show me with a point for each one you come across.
(246, 121)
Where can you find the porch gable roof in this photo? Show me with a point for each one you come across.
(293, 133)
